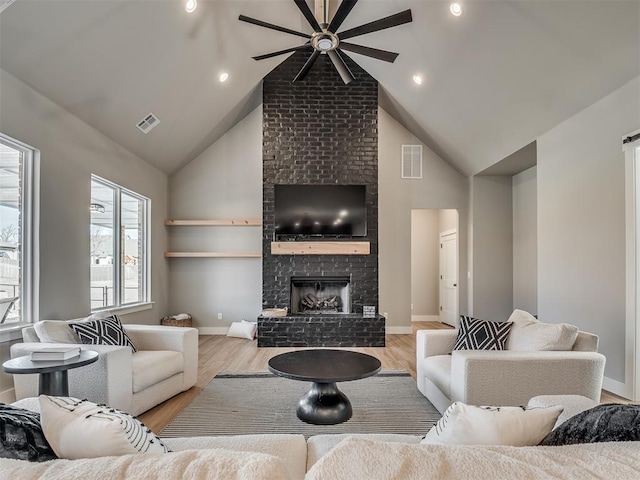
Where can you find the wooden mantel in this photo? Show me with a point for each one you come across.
(320, 248)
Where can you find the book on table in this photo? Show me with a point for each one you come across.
(55, 353)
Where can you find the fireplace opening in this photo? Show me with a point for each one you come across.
(322, 294)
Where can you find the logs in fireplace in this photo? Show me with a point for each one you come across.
(311, 303)
(320, 294)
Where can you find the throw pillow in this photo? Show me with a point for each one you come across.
(81, 429)
(243, 329)
(58, 331)
(463, 424)
(21, 435)
(476, 334)
(104, 331)
(604, 423)
(528, 334)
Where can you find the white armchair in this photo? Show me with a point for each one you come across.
(490, 377)
(165, 364)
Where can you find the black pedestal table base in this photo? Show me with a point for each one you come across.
(324, 404)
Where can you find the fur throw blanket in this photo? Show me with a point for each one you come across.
(209, 464)
(361, 459)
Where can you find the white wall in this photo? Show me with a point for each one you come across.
(447, 220)
(224, 182)
(70, 152)
(441, 187)
(525, 241)
(425, 262)
(581, 223)
(492, 247)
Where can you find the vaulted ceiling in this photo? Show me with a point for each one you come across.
(495, 78)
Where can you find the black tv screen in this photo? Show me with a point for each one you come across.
(320, 210)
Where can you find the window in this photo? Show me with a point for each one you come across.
(18, 240)
(119, 246)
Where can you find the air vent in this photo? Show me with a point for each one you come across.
(5, 3)
(411, 161)
(147, 123)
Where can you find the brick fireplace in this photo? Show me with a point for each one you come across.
(320, 131)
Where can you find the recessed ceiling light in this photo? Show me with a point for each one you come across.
(223, 76)
(417, 79)
(456, 9)
(190, 6)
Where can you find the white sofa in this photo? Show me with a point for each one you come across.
(165, 364)
(490, 377)
(348, 457)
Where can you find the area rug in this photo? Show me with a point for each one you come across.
(255, 403)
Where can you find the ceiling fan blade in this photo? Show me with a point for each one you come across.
(382, 24)
(260, 23)
(343, 10)
(280, 52)
(308, 14)
(307, 66)
(341, 67)
(370, 52)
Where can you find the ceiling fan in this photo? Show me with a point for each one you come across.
(325, 38)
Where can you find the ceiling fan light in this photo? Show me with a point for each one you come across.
(325, 44)
(190, 6)
(456, 9)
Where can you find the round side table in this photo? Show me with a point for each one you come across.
(53, 373)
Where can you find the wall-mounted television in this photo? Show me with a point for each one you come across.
(320, 210)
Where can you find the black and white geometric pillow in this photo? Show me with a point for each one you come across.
(104, 331)
(82, 429)
(476, 334)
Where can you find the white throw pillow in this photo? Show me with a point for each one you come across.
(58, 331)
(463, 424)
(243, 329)
(81, 429)
(528, 334)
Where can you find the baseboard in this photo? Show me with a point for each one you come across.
(213, 330)
(399, 330)
(425, 318)
(618, 388)
(8, 396)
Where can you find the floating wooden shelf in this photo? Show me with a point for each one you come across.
(213, 223)
(212, 255)
(320, 248)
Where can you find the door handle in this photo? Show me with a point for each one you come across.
(455, 284)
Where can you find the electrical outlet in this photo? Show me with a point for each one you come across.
(219, 316)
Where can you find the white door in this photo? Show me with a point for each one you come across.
(449, 277)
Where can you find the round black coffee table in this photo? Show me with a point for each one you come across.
(53, 378)
(324, 404)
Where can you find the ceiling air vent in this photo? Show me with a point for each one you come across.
(147, 123)
(411, 161)
(5, 3)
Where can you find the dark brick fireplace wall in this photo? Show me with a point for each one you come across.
(319, 131)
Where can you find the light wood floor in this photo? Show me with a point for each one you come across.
(218, 353)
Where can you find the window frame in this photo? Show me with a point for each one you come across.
(29, 238)
(631, 384)
(118, 264)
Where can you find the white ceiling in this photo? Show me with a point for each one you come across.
(495, 78)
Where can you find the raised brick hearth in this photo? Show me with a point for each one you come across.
(325, 330)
